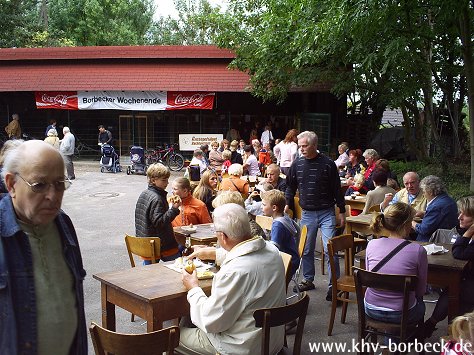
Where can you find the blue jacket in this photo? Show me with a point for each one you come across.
(18, 333)
(441, 213)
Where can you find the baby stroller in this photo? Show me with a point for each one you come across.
(109, 160)
(137, 160)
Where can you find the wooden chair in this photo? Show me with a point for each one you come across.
(287, 264)
(265, 222)
(144, 247)
(370, 328)
(374, 208)
(154, 343)
(339, 231)
(301, 244)
(267, 318)
(342, 286)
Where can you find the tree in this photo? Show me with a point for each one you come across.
(100, 22)
(18, 22)
(195, 24)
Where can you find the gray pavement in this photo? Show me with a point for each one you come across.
(101, 206)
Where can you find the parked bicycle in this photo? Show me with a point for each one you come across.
(165, 155)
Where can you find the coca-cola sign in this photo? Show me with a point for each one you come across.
(189, 100)
(64, 100)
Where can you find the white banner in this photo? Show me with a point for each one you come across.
(194, 141)
(122, 100)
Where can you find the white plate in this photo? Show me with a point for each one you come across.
(189, 228)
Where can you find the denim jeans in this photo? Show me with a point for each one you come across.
(165, 258)
(326, 220)
(414, 315)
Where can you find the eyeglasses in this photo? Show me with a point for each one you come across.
(42, 187)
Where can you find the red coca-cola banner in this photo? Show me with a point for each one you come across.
(185, 100)
(125, 100)
(62, 100)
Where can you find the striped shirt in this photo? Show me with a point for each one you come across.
(318, 183)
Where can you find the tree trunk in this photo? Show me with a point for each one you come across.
(465, 36)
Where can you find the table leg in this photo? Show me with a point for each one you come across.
(153, 322)
(108, 310)
(454, 290)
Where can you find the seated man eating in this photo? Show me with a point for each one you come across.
(249, 279)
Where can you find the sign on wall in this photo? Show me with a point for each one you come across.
(125, 100)
(194, 141)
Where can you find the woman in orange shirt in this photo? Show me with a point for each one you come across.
(192, 210)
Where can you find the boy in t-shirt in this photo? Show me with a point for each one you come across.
(285, 232)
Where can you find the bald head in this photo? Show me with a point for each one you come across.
(34, 177)
(411, 181)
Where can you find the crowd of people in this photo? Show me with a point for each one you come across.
(36, 174)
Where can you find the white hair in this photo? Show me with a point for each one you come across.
(66, 130)
(236, 169)
(232, 220)
(310, 136)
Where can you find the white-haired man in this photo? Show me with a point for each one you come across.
(66, 148)
(41, 297)
(250, 278)
(316, 178)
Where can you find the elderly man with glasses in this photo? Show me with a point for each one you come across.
(41, 271)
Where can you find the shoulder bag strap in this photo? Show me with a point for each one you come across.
(235, 185)
(390, 255)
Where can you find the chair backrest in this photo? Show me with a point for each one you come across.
(385, 282)
(264, 221)
(344, 242)
(287, 264)
(273, 317)
(154, 343)
(374, 208)
(298, 212)
(302, 242)
(145, 247)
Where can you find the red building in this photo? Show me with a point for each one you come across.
(26, 71)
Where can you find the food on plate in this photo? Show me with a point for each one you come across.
(174, 199)
(190, 267)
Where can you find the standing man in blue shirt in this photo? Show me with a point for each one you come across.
(316, 178)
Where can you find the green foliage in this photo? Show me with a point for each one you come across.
(195, 24)
(100, 22)
(455, 175)
(18, 21)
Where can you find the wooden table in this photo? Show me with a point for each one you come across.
(360, 223)
(205, 234)
(358, 203)
(444, 271)
(153, 292)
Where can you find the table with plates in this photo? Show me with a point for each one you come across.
(153, 292)
(204, 234)
(444, 271)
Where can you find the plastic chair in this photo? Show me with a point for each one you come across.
(342, 286)
(370, 328)
(145, 247)
(301, 244)
(287, 264)
(267, 318)
(154, 343)
(264, 221)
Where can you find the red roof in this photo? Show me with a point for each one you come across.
(134, 68)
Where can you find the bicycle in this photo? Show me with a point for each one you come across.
(166, 155)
